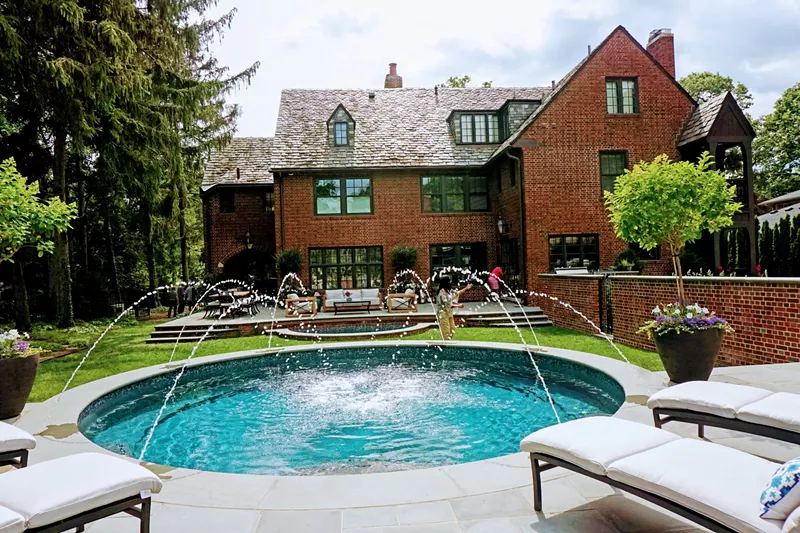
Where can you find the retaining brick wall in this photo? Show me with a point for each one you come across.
(764, 312)
(581, 292)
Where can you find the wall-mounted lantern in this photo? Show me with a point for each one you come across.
(247, 240)
(503, 227)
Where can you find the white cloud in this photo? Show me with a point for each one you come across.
(321, 44)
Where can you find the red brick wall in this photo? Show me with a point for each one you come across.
(581, 292)
(562, 171)
(225, 232)
(397, 220)
(763, 312)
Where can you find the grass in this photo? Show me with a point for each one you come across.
(124, 349)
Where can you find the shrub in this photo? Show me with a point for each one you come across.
(289, 261)
(404, 258)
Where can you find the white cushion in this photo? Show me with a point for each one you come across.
(720, 482)
(409, 291)
(780, 410)
(10, 522)
(54, 490)
(371, 294)
(12, 439)
(594, 443)
(792, 524)
(331, 295)
(712, 397)
(292, 296)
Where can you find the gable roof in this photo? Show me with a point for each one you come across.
(397, 128)
(705, 117)
(564, 82)
(250, 155)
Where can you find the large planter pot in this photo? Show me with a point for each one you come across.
(689, 356)
(16, 382)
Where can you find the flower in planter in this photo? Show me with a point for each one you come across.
(14, 344)
(683, 318)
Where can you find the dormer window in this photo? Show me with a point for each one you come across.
(341, 128)
(340, 134)
(479, 128)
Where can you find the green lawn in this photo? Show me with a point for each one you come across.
(124, 349)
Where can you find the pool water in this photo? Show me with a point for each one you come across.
(364, 328)
(347, 410)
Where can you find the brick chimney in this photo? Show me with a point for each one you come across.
(661, 46)
(393, 81)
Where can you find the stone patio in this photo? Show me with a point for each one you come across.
(493, 496)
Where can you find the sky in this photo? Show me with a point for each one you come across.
(324, 44)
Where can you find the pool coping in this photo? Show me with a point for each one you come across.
(55, 423)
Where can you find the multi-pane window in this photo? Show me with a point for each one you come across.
(574, 251)
(346, 268)
(479, 128)
(469, 255)
(454, 194)
(342, 196)
(612, 164)
(622, 95)
(340, 134)
(269, 201)
(227, 202)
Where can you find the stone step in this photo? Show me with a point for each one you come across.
(505, 318)
(193, 331)
(521, 325)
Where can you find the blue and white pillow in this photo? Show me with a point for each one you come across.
(782, 495)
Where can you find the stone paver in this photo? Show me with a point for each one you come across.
(422, 513)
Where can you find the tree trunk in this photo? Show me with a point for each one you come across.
(183, 201)
(150, 255)
(104, 182)
(23, 312)
(60, 263)
(83, 238)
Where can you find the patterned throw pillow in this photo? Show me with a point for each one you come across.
(782, 495)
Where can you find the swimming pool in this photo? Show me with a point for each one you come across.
(347, 410)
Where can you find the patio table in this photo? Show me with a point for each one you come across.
(351, 306)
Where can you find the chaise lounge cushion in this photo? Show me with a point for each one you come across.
(780, 410)
(11, 522)
(720, 482)
(714, 398)
(13, 439)
(596, 442)
(61, 488)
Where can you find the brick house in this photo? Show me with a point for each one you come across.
(475, 177)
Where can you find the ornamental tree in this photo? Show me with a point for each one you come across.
(671, 203)
(24, 219)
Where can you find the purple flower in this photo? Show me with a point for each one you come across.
(21, 346)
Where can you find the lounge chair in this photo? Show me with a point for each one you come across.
(14, 446)
(729, 406)
(402, 302)
(717, 487)
(296, 305)
(70, 492)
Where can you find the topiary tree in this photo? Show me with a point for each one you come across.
(289, 261)
(404, 258)
(671, 203)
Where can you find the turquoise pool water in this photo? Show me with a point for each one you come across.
(347, 410)
(363, 328)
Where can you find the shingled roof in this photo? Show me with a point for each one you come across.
(251, 155)
(702, 119)
(396, 128)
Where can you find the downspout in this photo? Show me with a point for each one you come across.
(522, 231)
(283, 231)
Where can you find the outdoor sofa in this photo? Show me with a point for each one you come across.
(717, 487)
(69, 492)
(729, 406)
(372, 297)
(15, 445)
